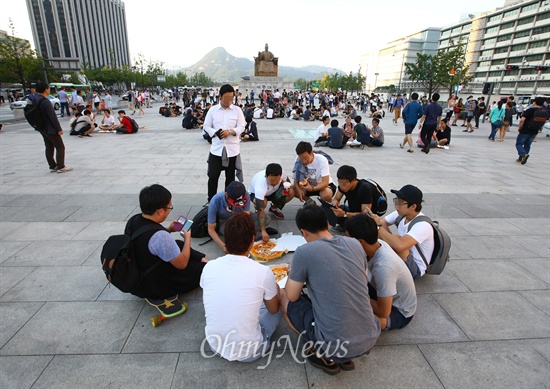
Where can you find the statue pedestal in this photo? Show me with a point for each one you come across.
(257, 84)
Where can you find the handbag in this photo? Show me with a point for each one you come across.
(498, 123)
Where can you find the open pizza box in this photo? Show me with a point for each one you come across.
(276, 248)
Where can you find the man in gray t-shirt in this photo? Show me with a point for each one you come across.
(391, 286)
(336, 316)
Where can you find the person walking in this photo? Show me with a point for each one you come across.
(429, 122)
(530, 124)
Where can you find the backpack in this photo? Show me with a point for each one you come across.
(379, 198)
(536, 122)
(199, 229)
(442, 245)
(117, 260)
(135, 126)
(34, 116)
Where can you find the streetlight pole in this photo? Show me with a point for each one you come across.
(401, 74)
(375, 79)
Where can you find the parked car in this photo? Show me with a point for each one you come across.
(22, 103)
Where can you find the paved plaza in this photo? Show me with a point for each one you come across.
(483, 323)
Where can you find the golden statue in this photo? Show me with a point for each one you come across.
(266, 64)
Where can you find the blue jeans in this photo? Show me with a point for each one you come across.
(523, 143)
(493, 131)
(66, 106)
(268, 324)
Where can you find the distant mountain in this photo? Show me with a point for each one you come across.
(219, 65)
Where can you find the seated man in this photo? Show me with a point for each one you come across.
(311, 174)
(125, 126)
(235, 199)
(295, 113)
(443, 135)
(337, 310)
(241, 301)
(408, 205)
(178, 266)
(163, 109)
(358, 196)
(307, 114)
(321, 136)
(335, 135)
(269, 113)
(361, 133)
(271, 185)
(391, 286)
(107, 123)
(376, 134)
(189, 120)
(250, 132)
(259, 113)
(83, 126)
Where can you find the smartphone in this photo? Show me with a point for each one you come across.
(186, 226)
(326, 203)
(178, 225)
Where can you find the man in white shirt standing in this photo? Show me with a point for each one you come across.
(240, 297)
(224, 123)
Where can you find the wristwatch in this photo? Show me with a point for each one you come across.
(345, 214)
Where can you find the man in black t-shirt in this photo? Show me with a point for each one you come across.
(358, 195)
(530, 124)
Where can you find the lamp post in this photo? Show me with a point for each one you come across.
(375, 80)
(401, 71)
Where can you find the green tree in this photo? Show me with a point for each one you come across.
(201, 79)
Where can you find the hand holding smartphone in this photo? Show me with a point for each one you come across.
(182, 225)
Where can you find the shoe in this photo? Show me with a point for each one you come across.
(362, 147)
(347, 366)
(439, 147)
(271, 231)
(446, 147)
(524, 159)
(64, 169)
(427, 150)
(88, 135)
(54, 170)
(400, 145)
(168, 307)
(463, 125)
(328, 367)
(277, 213)
(310, 202)
(519, 160)
(465, 130)
(410, 151)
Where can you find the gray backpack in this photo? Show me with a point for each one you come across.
(442, 245)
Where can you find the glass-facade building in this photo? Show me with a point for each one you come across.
(71, 34)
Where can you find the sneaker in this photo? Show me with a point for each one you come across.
(276, 212)
(271, 231)
(64, 169)
(54, 170)
(465, 130)
(410, 151)
(347, 366)
(519, 160)
(320, 362)
(524, 159)
(168, 307)
(446, 147)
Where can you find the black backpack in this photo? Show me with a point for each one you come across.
(34, 116)
(118, 263)
(534, 124)
(135, 126)
(199, 229)
(379, 198)
(442, 244)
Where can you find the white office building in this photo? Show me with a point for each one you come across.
(508, 47)
(71, 34)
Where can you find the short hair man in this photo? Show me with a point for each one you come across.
(311, 174)
(51, 130)
(530, 124)
(84, 125)
(429, 122)
(338, 308)
(234, 199)
(223, 123)
(336, 135)
(269, 185)
(391, 286)
(125, 126)
(241, 300)
(376, 134)
(408, 205)
(107, 123)
(412, 112)
(321, 136)
(178, 266)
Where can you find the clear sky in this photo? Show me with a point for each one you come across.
(331, 33)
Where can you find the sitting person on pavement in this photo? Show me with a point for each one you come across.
(235, 199)
(360, 133)
(178, 266)
(391, 286)
(189, 120)
(307, 115)
(240, 297)
(348, 130)
(408, 205)
(376, 138)
(337, 307)
(311, 175)
(335, 135)
(125, 126)
(250, 132)
(358, 196)
(271, 185)
(321, 136)
(107, 123)
(83, 126)
(443, 134)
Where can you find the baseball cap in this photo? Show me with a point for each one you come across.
(409, 192)
(236, 193)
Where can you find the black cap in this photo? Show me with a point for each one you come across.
(409, 192)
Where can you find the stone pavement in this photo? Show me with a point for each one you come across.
(483, 323)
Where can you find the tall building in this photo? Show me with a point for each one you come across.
(391, 59)
(71, 34)
(508, 47)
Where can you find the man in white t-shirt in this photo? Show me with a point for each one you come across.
(321, 136)
(240, 297)
(107, 123)
(408, 205)
(269, 185)
(269, 113)
(312, 174)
